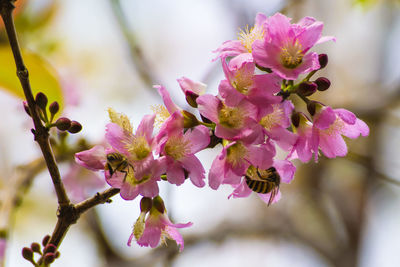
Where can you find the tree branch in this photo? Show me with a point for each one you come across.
(40, 132)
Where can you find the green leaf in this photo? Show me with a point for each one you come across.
(42, 76)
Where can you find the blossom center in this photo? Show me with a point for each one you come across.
(243, 81)
(231, 117)
(236, 153)
(273, 118)
(292, 55)
(177, 147)
(139, 147)
(247, 37)
(336, 127)
(162, 114)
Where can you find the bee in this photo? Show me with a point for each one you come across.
(263, 181)
(118, 162)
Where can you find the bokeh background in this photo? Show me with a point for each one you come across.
(339, 212)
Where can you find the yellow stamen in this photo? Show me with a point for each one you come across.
(231, 117)
(243, 81)
(247, 37)
(272, 119)
(177, 147)
(236, 153)
(162, 114)
(292, 55)
(138, 147)
(121, 119)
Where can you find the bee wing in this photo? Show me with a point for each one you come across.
(271, 197)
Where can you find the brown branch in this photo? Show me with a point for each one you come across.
(40, 132)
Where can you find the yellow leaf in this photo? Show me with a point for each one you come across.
(42, 76)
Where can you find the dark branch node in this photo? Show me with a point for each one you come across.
(68, 214)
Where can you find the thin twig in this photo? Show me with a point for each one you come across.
(40, 132)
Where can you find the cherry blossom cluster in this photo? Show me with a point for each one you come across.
(251, 118)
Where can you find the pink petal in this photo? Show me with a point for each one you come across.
(324, 119)
(175, 173)
(286, 170)
(310, 35)
(261, 156)
(325, 39)
(146, 126)
(129, 192)
(354, 131)
(216, 173)
(93, 159)
(171, 107)
(208, 106)
(266, 54)
(196, 170)
(278, 28)
(118, 138)
(347, 116)
(151, 237)
(149, 188)
(332, 145)
(230, 49)
(260, 19)
(187, 84)
(199, 138)
(241, 190)
(231, 96)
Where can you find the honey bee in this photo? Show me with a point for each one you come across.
(118, 162)
(263, 181)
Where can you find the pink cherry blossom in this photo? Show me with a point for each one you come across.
(285, 46)
(329, 126)
(232, 123)
(179, 149)
(245, 40)
(158, 227)
(275, 124)
(242, 83)
(231, 164)
(302, 148)
(286, 172)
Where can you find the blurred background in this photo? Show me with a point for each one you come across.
(95, 54)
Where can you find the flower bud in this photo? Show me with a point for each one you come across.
(49, 258)
(158, 203)
(296, 119)
(41, 100)
(189, 120)
(54, 107)
(63, 124)
(76, 127)
(26, 107)
(49, 248)
(27, 253)
(191, 98)
(311, 107)
(145, 204)
(307, 88)
(322, 83)
(45, 240)
(57, 254)
(323, 60)
(36, 247)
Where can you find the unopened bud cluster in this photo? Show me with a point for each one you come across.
(62, 124)
(47, 255)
